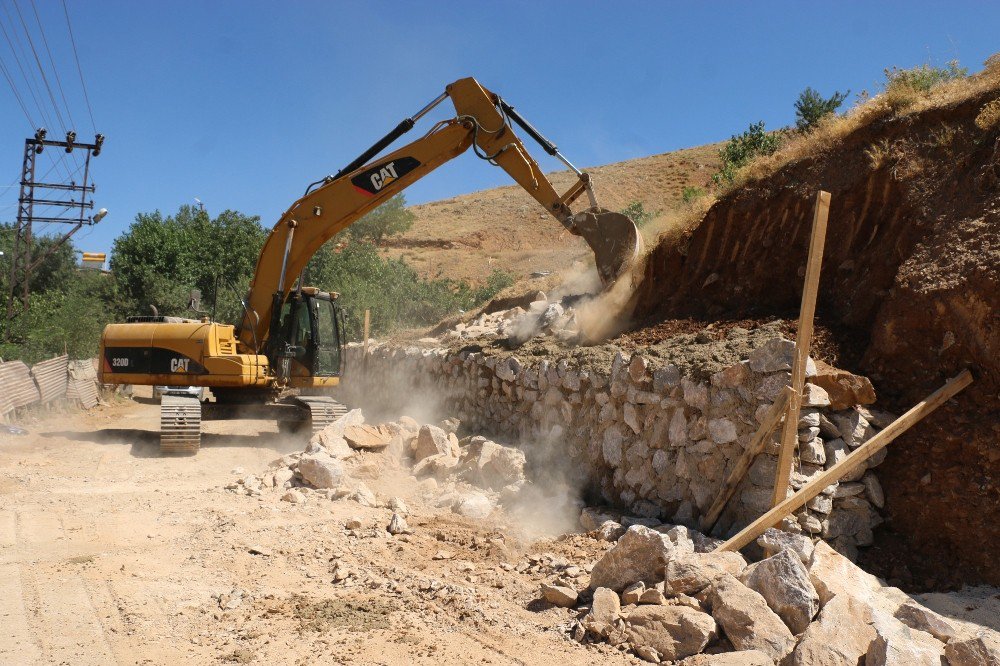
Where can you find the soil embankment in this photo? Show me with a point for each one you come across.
(910, 288)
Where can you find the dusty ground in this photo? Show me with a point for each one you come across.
(110, 554)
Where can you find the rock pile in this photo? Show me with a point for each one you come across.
(434, 451)
(664, 594)
(654, 437)
(543, 318)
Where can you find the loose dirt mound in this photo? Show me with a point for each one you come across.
(911, 278)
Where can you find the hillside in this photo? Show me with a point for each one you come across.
(506, 229)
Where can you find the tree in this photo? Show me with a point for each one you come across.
(389, 219)
(811, 107)
(54, 272)
(160, 259)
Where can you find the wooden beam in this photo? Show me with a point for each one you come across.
(803, 339)
(754, 448)
(368, 315)
(855, 458)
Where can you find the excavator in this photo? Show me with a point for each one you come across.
(286, 354)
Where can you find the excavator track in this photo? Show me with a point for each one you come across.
(180, 424)
(323, 410)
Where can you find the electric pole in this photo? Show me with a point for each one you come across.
(32, 193)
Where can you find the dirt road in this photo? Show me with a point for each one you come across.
(110, 554)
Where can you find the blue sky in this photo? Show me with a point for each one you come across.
(243, 103)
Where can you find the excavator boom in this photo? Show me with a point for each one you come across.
(482, 122)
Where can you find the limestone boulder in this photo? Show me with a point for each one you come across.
(841, 635)
(559, 595)
(784, 583)
(690, 573)
(775, 540)
(832, 574)
(895, 644)
(920, 618)
(980, 650)
(432, 440)
(605, 610)
(492, 465)
(674, 632)
(639, 555)
(746, 619)
(320, 470)
(739, 658)
(473, 505)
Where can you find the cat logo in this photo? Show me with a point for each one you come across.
(179, 364)
(386, 175)
(373, 180)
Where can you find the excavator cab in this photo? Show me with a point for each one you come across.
(307, 350)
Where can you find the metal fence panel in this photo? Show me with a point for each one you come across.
(17, 385)
(83, 383)
(51, 377)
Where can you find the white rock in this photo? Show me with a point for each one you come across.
(432, 440)
(639, 555)
(558, 595)
(397, 525)
(293, 496)
(674, 632)
(784, 583)
(473, 505)
(321, 470)
(747, 620)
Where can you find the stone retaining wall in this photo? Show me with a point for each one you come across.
(642, 435)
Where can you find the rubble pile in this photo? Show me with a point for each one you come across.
(654, 435)
(555, 318)
(449, 466)
(667, 595)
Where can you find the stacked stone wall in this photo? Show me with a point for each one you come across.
(644, 436)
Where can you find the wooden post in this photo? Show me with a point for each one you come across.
(754, 448)
(807, 311)
(368, 315)
(855, 458)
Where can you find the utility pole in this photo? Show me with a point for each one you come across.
(22, 261)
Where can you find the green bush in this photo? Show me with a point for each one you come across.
(394, 293)
(636, 212)
(741, 149)
(389, 219)
(811, 107)
(691, 193)
(923, 78)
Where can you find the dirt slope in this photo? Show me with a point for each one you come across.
(468, 236)
(911, 285)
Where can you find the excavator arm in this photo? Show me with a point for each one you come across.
(482, 122)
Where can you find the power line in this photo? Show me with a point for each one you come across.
(55, 72)
(76, 56)
(31, 81)
(14, 90)
(38, 61)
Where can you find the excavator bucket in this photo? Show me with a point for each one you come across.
(614, 239)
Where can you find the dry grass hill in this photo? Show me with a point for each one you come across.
(506, 229)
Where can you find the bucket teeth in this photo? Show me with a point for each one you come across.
(180, 424)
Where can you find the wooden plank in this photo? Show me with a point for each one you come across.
(368, 315)
(803, 339)
(855, 458)
(753, 449)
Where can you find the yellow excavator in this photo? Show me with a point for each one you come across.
(288, 349)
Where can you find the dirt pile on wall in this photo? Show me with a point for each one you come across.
(911, 281)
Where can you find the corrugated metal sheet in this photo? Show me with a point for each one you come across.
(51, 377)
(83, 383)
(17, 385)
